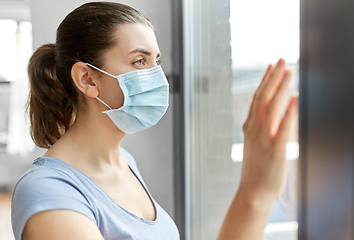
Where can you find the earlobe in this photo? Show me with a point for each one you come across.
(83, 79)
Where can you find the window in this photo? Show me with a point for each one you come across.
(227, 47)
(15, 48)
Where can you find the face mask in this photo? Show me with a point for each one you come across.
(145, 99)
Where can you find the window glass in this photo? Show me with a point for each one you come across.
(8, 66)
(228, 46)
(15, 48)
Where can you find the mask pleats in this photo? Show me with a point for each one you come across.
(146, 94)
(144, 84)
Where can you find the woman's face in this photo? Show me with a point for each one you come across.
(135, 49)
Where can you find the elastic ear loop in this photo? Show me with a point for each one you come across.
(104, 103)
(101, 70)
(104, 73)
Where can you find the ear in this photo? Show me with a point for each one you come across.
(84, 80)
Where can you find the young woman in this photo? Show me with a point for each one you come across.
(98, 82)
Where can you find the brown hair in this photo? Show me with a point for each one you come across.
(84, 35)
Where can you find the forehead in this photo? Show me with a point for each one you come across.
(131, 36)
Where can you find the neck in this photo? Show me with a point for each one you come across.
(92, 142)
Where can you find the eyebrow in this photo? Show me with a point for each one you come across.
(145, 52)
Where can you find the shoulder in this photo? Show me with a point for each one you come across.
(45, 178)
(47, 185)
(60, 224)
(39, 179)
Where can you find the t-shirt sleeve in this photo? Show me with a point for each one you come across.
(43, 190)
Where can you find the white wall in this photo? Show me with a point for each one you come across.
(152, 148)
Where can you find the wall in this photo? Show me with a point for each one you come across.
(152, 148)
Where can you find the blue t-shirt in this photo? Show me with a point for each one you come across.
(52, 184)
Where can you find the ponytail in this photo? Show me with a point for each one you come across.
(50, 110)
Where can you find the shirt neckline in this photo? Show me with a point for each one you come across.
(104, 193)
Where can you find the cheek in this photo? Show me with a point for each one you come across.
(113, 94)
(119, 98)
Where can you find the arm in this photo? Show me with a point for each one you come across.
(266, 134)
(60, 224)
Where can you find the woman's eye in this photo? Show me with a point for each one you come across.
(140, 62)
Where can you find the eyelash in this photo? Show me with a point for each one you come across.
(144, 60)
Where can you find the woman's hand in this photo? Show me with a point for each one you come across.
(266, 133)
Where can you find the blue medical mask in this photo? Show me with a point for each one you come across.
(146, 96)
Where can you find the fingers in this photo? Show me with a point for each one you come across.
(272, 115)
(264, 80)
(252, 108)
(264, 150)
(266, 75)
(266, 92)
(264, 111)
(285, 125)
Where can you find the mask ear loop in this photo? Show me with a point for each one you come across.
(100, 70)
(90, 65)
(104, 103)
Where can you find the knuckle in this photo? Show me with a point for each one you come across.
(268, 110)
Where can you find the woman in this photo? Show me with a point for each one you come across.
(98, 82)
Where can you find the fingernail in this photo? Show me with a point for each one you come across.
(294, 97)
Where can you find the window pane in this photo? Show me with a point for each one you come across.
(16, 49)
(228, 46)
(8, 64)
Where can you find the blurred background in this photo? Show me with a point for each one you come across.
(214, 53)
